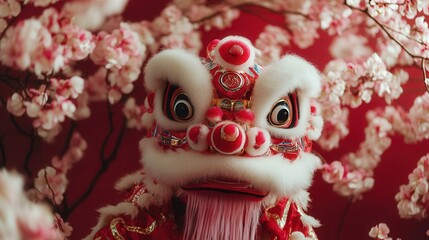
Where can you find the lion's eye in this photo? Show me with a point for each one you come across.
(177, 105)
(182, 108)
(282, 115)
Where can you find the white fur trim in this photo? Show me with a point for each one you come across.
(272, 173)
(129, 181)
(109, 212)
(302, 198)
(297, 236)
(290, 74)
(310, 221)
(218, 59)
(202, 143)
(159, 193)
(252, 133)
(181, 68)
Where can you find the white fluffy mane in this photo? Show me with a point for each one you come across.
(275, 174)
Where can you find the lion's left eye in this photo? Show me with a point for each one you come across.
(282, 115)
(177, 106)
(182, 108)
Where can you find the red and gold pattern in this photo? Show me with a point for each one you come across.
(276, 223)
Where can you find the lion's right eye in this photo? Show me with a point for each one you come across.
(284, 113)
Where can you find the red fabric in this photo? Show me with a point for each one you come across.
(167, 228)
(270, 228)
(159, 219)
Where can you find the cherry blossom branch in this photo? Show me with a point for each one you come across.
(69, 137)
(2, 152)
(245, 6)
(50, 188)
(278, 12)
(264, 18)
(103, 158)
(403, 34)
(424, 75)
(29, 155)
(105, 162)
(31, 147)
(343, 217)
(386, 31)
(20, 130)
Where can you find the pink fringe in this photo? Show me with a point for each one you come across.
(218, 216)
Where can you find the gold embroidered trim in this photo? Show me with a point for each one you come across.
(114, 229)
(135, 229)
(281, 221)
(311, 231)
(137, 192)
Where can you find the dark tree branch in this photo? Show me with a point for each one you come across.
(109, 133)
(246, 6)
(68, 139)
(343, 217)
(29, 155)
(18, 127)
(105, 162)
(50, 188)
(2, 152)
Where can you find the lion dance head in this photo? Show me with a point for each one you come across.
(228, 144)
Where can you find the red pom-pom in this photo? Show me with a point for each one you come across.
(214, 114)
(313, 109)
(245, 116)
(260, 138)
(193, 134)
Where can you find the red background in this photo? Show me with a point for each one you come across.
(377, 205)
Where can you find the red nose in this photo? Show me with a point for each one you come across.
(228, 138)
(229, 132)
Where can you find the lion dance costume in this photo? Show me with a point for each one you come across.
(228, 150)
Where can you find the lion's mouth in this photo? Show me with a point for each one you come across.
(227, 186)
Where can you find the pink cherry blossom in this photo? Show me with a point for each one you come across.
(9, 8)
(51, 184)
(381, 231)
(271, 42)
(122, 53)
(340, 48)
(134, 114)
(175, 30)
(21, 218)
(73, 155)
(116, 49)
(43, 3)
(413, 198)
(91, 15)
(45, 45)
(15, 105)
(333, 172)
